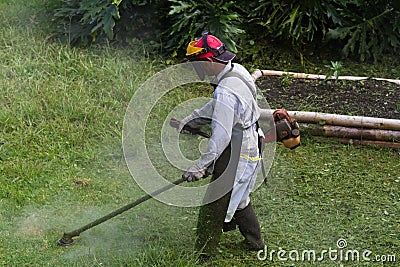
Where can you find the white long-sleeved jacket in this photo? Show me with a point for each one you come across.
(233, 105)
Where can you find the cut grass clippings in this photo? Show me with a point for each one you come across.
(61, 165)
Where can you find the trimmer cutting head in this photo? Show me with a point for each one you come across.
(66, 241)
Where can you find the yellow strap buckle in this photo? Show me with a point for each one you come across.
(253, 159)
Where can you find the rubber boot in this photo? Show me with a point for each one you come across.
(250, 228)
(229, 226)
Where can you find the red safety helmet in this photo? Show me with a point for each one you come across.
(208, 46)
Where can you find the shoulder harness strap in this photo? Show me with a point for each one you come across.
(230, 73)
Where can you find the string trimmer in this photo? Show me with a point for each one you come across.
(68, 238)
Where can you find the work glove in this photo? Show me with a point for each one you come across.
(194, 173)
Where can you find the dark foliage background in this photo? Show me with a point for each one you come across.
(362, 29)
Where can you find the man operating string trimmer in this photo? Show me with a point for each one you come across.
(233, 155)
(234, 152)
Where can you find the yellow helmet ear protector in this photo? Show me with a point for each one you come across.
(192, 50)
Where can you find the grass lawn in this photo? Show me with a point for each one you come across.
(62, 166)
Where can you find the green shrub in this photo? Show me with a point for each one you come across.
(86, 21)
(362, 29)
(191, 18)
(358, 28)
(369, 29)
(298, 21)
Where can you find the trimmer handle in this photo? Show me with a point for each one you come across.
(176, 123)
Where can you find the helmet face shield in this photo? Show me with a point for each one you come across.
(204, 69)
(199, 68)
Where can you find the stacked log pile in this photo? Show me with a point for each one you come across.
(346, 129)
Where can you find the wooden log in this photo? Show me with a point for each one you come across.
(352, 133)
(339, 120)
(362, 130)
(258, 73)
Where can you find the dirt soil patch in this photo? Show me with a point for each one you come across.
(371, 98)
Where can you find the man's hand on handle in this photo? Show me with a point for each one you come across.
(194, 174)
